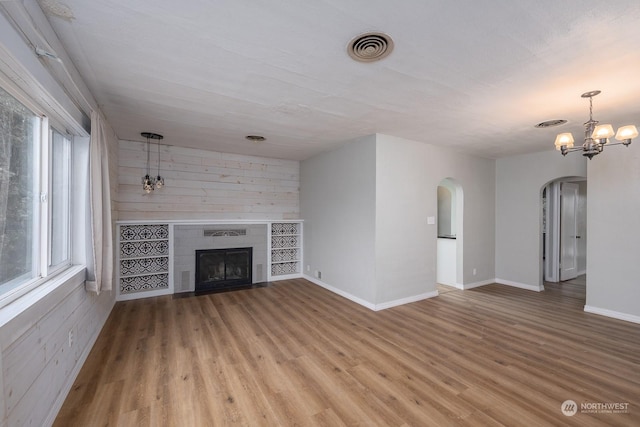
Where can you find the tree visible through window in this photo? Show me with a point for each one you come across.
(19, 134)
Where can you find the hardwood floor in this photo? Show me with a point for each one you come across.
(296, 354)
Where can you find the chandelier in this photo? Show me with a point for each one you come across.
(595, 136)
(149, 182)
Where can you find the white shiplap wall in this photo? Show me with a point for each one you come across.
(203, 184)
(38, 364)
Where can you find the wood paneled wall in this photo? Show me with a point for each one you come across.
(39, 364)
(203, 184)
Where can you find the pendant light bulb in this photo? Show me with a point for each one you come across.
(149, 183)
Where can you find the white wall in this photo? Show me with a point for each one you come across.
(337, 203)
(406, 194)
(613, 247)
(519, 183)
(408, 174)
(365, 207)
(203, 184)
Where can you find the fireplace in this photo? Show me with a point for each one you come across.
(218, 269)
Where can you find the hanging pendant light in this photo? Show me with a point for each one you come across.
(149, 183)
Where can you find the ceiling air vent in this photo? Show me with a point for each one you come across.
(370, 47)
(551, 123)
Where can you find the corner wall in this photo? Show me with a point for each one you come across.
(365, 207)
(337, 202)
(519, 183)
(408, 174)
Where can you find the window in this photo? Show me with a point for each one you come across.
(35, 198)
(19, 138)
(59, 199)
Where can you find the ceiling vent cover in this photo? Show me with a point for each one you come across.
(370, 47)
(551, 123)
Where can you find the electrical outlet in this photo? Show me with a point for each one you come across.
(308, 268)
(70, 337)
(474, 271)
(319, 275)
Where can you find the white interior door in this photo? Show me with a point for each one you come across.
(568, 231)
(552, 233)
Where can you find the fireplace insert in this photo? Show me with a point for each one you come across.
(218, 269)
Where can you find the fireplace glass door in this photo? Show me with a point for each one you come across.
(223, 268)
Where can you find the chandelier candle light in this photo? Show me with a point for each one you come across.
(595, 136)
(148, 182)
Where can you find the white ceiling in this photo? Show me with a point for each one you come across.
(465, 74)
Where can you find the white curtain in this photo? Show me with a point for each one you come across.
(100, 260)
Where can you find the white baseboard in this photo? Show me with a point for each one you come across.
(453, 285)
(342, 293)
(284, 277)
(520, 285)
(463, 286)
(367, 304)
(477, 284)
(407, 300)
(613, 314)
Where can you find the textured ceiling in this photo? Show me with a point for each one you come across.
(466, 74)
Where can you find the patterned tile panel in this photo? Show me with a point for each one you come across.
(279, 255)
(143, 249)
(285, 268)
(280, 228)
(278, 242)
(144, 232)
(129, 267)
(144, 283)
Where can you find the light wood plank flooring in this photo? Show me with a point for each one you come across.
(295, 354)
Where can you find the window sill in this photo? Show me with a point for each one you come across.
(74, 274)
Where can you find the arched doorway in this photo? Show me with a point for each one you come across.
(564, 229)
(449, 255)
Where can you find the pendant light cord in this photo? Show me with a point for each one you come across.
(158, 158)
(148, 156)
